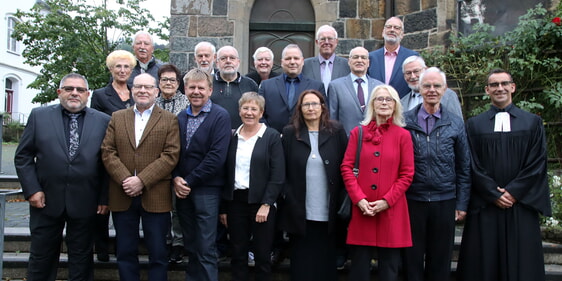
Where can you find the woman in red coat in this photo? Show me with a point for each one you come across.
(379, 217)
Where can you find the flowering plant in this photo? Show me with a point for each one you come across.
(556, 21)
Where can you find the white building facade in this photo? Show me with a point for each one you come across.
(15, 75)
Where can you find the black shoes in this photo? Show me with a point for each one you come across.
(176, 254)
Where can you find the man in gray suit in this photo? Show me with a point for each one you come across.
(326, 66)
(347, 96)
(62, 176)
(412, 68)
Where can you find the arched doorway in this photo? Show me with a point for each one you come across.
(275, 24)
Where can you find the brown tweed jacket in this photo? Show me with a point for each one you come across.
(153, 160)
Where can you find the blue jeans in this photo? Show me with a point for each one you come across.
(155, 227)
(198, 215)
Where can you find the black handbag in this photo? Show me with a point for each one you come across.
(344, 212)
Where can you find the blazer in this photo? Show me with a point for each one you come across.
(343, 101)
(108, 101)
(377, 70)
(267, 168)
(311, 68)
(152, 160)
(450, 101)
(331, 148)
(76, 185)
(277, 109)
(202, 163)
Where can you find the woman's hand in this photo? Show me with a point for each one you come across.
(366, 207)
(379, 205)
(262, 214)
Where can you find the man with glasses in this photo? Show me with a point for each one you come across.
(140, 150)
(502, 237)
(386, 61)
(412, 68)
(326, 66)
(229, 84)
(60, 170)
(439, 193)
(348, 95)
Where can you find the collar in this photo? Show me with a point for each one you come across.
(424, 114)
(219, 78)
(321, 59)
(149, 110)
(174, 97)
(260, 132)
(206, 108)
(364, 77)
(511, 109)
(395, 51)
(299, 77)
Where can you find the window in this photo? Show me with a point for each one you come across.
(13, 44)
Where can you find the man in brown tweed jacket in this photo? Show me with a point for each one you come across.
(140, 150)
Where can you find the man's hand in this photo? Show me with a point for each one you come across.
(506, 200)
(459, 215)
(37, 200)
(223, 220)
(181, 188)
(133, 186)
(102, 210)
(262, 214)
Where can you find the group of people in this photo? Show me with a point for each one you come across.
(267, 152)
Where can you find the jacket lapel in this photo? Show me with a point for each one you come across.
(58, 125)
(130, 126)
(152, 121)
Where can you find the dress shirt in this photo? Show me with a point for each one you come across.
(426, 120)
(364, 85)
(389, 60)
(244, 152)
(141, 119)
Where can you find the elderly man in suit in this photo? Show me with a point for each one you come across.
(412, 68)
(347, 96)
(140, 150)
(326, 66)
(386, 61)
(281, 93)
(60, 170)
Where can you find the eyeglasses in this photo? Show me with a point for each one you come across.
(383, 99)
(147, 87)
(70, 89)
(415, 71)
(497, 84)
(390, 26)
(232, 58)
(356, 57)
(311, 105)
(326, 39)
(428, 86)
(166, 80)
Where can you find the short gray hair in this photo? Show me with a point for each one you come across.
(73, 76)
(434, 70)
(262, 50)
(411, 59)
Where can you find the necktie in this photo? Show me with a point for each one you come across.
(360, 94)
(74, 137)
(291, 95)
(414, 101)
(326, 75)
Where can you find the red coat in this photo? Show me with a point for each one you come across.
(386, 169)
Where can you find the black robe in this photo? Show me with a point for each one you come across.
(505, 244)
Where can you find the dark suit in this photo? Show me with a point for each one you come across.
(108, 101)
(343, 101)
(311, 68)
(152, 161)
(73, 189)
(313, 242)
(377, 69)
(267, 174)
(277, 109)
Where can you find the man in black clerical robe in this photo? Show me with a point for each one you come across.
(502, 239)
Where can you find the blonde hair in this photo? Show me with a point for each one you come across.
(397, 117)
(114, 56)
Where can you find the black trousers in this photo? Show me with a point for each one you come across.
(433, 235)
(313, 256)
(389, 263)
(46, 239)
(242, 226)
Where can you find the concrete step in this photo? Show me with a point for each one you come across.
(16, 257)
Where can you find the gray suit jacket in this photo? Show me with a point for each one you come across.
(450, 101)
(311, 68)
(343, 101)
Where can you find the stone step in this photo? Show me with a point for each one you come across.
(16, 257)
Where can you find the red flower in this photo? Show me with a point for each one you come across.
(556, 21)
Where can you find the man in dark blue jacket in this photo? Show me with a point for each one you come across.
(440, 190)
(200, 175)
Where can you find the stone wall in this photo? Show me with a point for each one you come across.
(358, 22)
